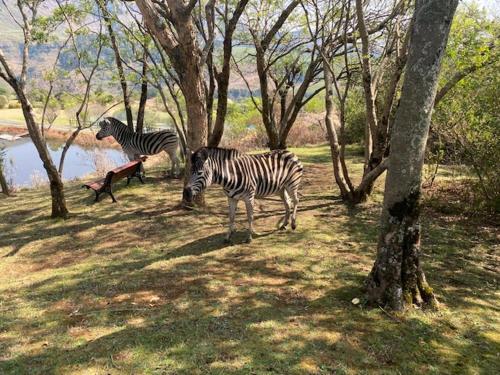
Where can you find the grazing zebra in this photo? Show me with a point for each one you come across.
(135, 144)
(247, 177)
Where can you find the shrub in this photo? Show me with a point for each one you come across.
(4, 102)
(14, 104)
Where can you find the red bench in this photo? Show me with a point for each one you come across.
(129, 170)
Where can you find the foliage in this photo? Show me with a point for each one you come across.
(466, 125)
(14, 104)
(4, 101)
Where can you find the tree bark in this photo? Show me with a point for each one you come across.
(59, 209)
(222, 78)
(397, 279)
(3, 180)
(186, 58)
(332, 135)
(139, 126)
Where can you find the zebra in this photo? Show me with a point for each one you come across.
(135, 144)
(247, 177)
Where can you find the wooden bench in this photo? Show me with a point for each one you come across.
(129, 170)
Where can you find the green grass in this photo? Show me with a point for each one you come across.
(144, 287)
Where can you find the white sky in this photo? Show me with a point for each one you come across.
(492, 6)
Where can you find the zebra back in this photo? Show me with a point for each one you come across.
(263, 174)
(145, 144)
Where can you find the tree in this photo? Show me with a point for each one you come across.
(102, 4)
(337, 42)
(3, 181)
(287, 65)
(28, 11)
(397, 278)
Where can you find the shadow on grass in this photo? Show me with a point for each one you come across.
(164, 294)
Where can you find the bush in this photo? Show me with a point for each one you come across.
(4, 102)
(309, 129)
(14, 104)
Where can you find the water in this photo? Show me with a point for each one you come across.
(23, 165)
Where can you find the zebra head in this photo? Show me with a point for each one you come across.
(106, 129)
(201, 174)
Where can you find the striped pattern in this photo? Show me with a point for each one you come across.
(246, 177)
(134, 144)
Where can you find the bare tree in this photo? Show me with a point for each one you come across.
(337, 42)
(397, 278)
(87, 75)
(102, 4)
(287, 67)
(28, 11)
(218, 21)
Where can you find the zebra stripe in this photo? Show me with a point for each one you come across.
(246, 177)
(135, 144)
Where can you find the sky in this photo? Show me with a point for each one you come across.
(492, 6)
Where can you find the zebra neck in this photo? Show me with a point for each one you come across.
(122, 134)
(222, 172)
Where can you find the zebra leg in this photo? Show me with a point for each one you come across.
(174, 160)
(295, 202)
(286, 201)
(249, 206)
(233, 204)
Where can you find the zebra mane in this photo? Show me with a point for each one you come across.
(115, 121)
(225, 153)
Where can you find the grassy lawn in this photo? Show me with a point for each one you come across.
(144, 287)
(64, 119)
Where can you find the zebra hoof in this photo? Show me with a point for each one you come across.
(294, 225)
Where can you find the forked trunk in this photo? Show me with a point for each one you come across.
(397, 279)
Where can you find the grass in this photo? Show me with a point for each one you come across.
(65, 119)
(144, 287)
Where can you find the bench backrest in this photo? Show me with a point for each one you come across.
(124, 171)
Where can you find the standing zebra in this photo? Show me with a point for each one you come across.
(135, 144)
(247, 177)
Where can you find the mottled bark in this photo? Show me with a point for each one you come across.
(186, 58)
(397, 279)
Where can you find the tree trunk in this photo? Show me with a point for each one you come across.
(3, 180)
(397, 279)
(186, 58)
(139, 126)
(332, 136)
(56, 186)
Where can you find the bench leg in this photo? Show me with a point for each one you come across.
(128, 180)
(140, 178)
(110, 192)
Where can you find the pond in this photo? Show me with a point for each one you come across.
(23, 167)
